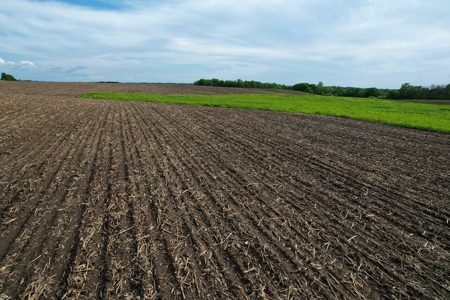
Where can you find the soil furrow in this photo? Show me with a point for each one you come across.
(206, 174)
(45, 140)
(37, 239)
(84, 276)
(183, 258)
(338, 174)
(54, 181)
(220, 260)
(31, 174)
(69, 244)
(104, 199)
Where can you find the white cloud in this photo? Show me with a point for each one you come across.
(26, 63)
(7, 63)
(361, 43)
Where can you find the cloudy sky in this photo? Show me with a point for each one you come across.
(364, 43)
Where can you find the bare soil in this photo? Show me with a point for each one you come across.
(129, 200)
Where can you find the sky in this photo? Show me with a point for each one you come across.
(361, 43)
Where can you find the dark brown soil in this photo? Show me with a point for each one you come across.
(74, 89)
(127, 200)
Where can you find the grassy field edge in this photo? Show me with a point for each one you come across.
(430, 117)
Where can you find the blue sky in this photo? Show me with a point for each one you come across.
(96, 4)
(364, 43)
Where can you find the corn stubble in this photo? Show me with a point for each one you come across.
(180, 202)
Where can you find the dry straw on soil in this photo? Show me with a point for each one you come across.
(118, 200)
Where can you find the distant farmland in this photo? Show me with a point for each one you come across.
(407, 114)
(141, 200)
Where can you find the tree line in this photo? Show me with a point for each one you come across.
(406, 91)
(321, 89)
(7, 77)
(241, 83)
(318, 89)
(433, 92)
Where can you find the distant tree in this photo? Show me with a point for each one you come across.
(203, 82)
(447, 92)
(305, 87)
(371, 92)
(300, 87)
(8, 77)
(393, 94)
(407, 91)
(338, 91)
(319, 88)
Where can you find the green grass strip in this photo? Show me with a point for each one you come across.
(429, 117)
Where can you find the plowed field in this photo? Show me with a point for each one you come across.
(126, 200)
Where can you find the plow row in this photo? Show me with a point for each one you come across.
(114, 200)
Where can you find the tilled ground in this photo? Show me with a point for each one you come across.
(127, 200)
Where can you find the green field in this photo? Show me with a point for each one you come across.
(430, 117)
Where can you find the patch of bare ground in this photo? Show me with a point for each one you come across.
(74, 89)
(128, 200)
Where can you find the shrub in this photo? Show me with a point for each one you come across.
(8, 77)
